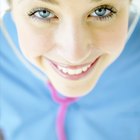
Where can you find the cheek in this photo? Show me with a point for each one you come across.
(112, 40)
(33, 44)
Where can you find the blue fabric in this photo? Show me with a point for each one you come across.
(110, 112)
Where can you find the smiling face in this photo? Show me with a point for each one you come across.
(71, 41)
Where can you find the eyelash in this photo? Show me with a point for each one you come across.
(112, 10)
(34, 11)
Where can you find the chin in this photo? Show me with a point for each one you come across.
(73, 93)
(74, 90)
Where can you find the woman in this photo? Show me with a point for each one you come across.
(72, 43)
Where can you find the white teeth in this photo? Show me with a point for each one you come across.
(64, 70)
(78, 71)
(73, 72)
(85, 68)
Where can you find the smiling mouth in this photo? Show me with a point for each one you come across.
(73, 72)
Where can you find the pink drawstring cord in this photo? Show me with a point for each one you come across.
(64, 103)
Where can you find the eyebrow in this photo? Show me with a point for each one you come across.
(49, 1)
(96, 0)
(56, 2)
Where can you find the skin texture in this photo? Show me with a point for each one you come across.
(73, 36)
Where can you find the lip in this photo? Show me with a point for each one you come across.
(76, 76)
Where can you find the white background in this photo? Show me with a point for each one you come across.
(137, 2)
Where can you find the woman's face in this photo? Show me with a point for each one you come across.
(71, 41)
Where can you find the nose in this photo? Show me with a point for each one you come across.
(73, 42)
